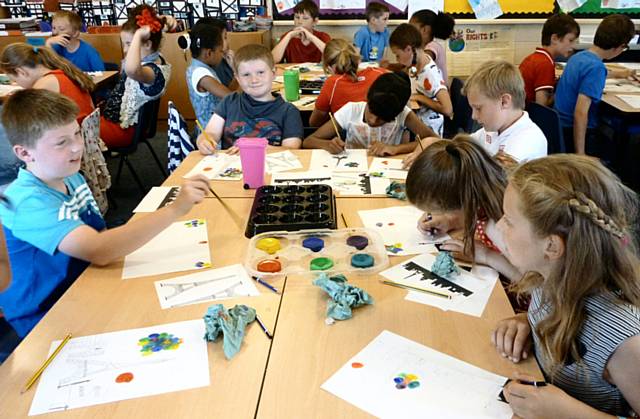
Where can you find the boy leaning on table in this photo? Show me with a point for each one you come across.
(52, 224)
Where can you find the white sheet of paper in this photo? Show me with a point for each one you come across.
(357, 184)
(388, 168)
(219, 166)
(631, 100)
(283, 5)
(282, 161)
(434, 5)
(183, 246)
(92, 370)
(350, 160)
(309, 177)
(157, 197)
(486, 9)
(620, 4)
(398, 4)
(569, 5)
(211, 285)
(6, 89)
(342, 4)
(398, 227)
(621, 86)
(472, 306)
(631, 66)
(443, 387)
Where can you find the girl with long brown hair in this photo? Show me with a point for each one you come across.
(42, 68)
(568, 224)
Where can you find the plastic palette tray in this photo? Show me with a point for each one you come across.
(295, 258)
(292, 208)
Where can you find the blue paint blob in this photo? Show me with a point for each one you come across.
(362, 260)
(414, 384)
(398, 380)
(314, 244)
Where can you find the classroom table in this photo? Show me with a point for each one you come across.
(278, 378)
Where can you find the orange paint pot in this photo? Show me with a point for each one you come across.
(269, 265)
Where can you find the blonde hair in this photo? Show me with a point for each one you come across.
(253, 52)
(29, 113)
(495, 78)
(20, 54)
(578, 199)
(458, 174)
(343, 56)
(74, 19)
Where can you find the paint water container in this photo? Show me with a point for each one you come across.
(253, 153)
(291, 85)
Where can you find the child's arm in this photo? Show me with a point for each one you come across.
(624, 369)
(102, 248)
(49, 82)
(62, 40)
(292, 142)
(442, 105)
(213, 86)
(318, 117)
(512, 337)
(319, 43)
(325, 138)
(5, 268)
(279, 50)
(580, 119)
(213, 132)
(544, 97)
(132, 62)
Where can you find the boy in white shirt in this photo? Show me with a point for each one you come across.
(377, 124)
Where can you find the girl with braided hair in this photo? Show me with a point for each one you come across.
(567, 223)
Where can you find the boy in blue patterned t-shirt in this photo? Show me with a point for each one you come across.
(371, 40)
(52, 223)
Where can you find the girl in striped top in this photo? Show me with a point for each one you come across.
(568, 223)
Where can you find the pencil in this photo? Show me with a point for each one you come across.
(417, 139)
(206, 135)
(428, 291)
(266, 284)
(335, 126)
(38, 373)
(344, 220)
(263, 327)
(236, 218)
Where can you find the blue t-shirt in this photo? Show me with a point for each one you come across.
(38, 219)
(86, 57)
(371, 44)
(585, 73)
(244, 116)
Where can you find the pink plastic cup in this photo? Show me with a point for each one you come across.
(253, 152)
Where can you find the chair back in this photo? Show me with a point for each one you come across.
(549, 122)
(179, 143)
(461, 110)
(94, 167)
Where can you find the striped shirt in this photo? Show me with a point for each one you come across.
(606, 325)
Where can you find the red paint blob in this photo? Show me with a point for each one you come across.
(269, 265)
(392, 224)
(356, 365)
(125, 377)
(206, 169)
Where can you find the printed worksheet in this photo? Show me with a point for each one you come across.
(219, 166)
(350, 160)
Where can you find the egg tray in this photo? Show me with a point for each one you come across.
(294, 258)
(292, 208)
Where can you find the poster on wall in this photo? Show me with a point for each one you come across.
(472, 45)
(620, 4)
(569, 5)
(486, 9)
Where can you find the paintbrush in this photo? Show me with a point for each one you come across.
(236, 218)
(206, 136)
(335, 126)
(419, 142)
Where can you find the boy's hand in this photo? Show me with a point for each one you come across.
(205, 146)
(334, 145)
(380, 149)
(62, 40)
(512, 337)
(192, 191)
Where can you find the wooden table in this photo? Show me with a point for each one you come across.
(279, 378)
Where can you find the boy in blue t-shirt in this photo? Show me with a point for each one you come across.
(52, 224)
(67, 43)
(371, 40)
(255, 112)
(581, 85)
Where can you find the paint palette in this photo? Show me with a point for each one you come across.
(350, 250)
(292, 208)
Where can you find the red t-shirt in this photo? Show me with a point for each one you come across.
(70, 89)
(296, 52)
(340, 89)
(538, 71)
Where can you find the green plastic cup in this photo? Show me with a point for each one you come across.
(291, 85)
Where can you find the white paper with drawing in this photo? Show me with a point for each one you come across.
(470, 292)
(219, 166)
(282, 161)
(486, 9)
(388, 168)
(398, 227)
(357, 184)
(342, 4)
(350, 160)
(394, 377)
(301, 178)
(183, 246)
(123, 365)
(569, 5)
(210, 285)
(157, 197)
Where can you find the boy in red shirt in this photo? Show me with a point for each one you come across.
(302, 44)
(559, 35)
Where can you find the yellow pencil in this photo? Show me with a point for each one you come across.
(335, 126)
(206, 136)
(419, 142)
(38, 373)
(428, 291)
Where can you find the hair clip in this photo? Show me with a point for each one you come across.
(148, 18)
(625, 239)
(35, 50)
